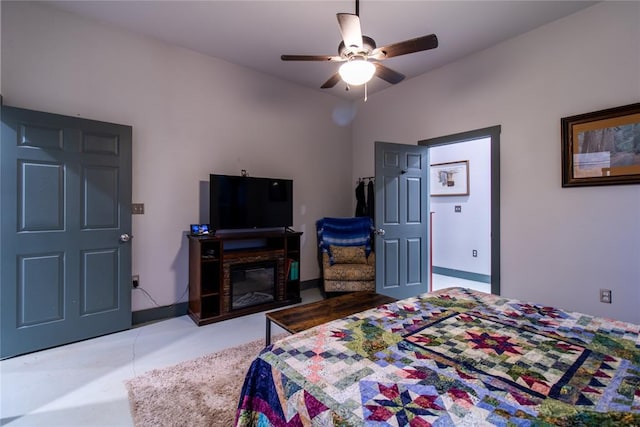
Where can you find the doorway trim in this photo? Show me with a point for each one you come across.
(493, 133)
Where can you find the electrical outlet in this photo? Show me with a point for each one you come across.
(474, 253)
(135, 281)
(605, 296)
(137, 208)
(457, 208)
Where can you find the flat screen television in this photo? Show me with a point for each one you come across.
(242, 202)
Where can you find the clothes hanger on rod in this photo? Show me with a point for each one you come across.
(369, 178)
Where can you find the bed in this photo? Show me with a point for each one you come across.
(451, 357)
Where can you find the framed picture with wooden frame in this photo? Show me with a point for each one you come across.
(601, 148)
(449, 179)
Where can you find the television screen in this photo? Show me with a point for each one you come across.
(238, 202)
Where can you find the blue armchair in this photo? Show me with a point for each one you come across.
(346, 258)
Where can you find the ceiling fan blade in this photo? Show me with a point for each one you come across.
(350, 30)
(311, 58)
(387, 74)
(333, 80)
(408, 46)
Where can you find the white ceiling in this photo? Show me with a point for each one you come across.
(255, 33)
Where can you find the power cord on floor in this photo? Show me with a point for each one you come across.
(133, 352)
(135, 340)
(140, 288)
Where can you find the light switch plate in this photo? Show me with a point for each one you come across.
(137, 208)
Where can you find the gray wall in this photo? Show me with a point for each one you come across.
(559, 245)
(191, 115)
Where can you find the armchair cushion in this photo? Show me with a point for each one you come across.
(348, 254)
(349, 272)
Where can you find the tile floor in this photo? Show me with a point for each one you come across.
(441, 282)
(82, 384)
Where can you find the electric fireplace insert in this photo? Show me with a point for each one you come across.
(253, 284)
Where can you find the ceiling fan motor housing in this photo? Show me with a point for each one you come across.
(368, 45)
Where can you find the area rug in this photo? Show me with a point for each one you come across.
(199, 392)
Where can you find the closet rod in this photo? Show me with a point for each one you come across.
(366, 177)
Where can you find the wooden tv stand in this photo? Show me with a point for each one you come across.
(212, 259)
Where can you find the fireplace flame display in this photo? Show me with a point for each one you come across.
(252, 284)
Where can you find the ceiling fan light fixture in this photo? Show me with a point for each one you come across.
(357, 71)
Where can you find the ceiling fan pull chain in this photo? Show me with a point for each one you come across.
(365, 92)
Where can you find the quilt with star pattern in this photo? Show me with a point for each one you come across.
(450, 357)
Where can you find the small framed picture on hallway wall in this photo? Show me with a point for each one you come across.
(449, 179)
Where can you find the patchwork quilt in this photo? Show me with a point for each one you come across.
(451, 357)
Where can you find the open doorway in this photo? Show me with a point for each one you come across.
(465, 219)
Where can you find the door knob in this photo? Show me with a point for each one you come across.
(125, 237)
(380, 232)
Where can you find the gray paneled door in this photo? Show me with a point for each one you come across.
(401, 216)
(66, 202)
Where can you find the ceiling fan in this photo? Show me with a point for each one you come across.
(362, 57)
